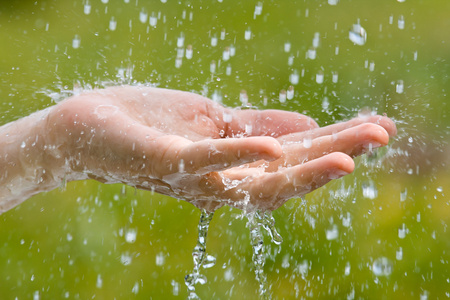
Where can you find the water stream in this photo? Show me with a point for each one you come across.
(200, 258)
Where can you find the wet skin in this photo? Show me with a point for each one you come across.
(177, 143)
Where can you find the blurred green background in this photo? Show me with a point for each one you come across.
(380, 233)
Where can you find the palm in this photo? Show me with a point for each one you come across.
(186, 146)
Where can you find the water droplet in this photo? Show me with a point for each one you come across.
(87, 8)
(258, 9)
(135, 288)
(212, 67)
(189, 52)
(333, 2)
(178, 62)
(153, 20)
(228, 70)
(290, 93)
(223, 34)
(294, 78)
(399, 254)
(369, 190)
(401, 22)
(319, 77)
(69, 237)
(307, 142)
(372, 66)
(316, 40)
(126, 259)
(357, 34)
(287, 47)
(214, 41)
(99, 283)
(23, 145)
(382, 267)
(334, 77)
(424, 295)
(105, 1)
(311, 54)
(130, 236)
(209, 262)
(228, 274)
(346, 220)
(347, 269)
(291, 60)
(332, 233)
(248, 34)
(112, 24)
(76, 42)
(160, 259)
(227, 117)
(402, 231)
(282, 96)
(403, 195)
(243, 98)
(180, 41)
(399, 88)
(226, 54)
(143, 15)
(248, 129)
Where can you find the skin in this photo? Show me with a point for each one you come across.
(178, 144)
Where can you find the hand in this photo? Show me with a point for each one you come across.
(189, 147)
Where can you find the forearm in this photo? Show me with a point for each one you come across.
(29, 161)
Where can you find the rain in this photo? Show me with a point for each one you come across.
(378, 233)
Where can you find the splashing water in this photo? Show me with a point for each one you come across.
(256, 220)
(199, 256)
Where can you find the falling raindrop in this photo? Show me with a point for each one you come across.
(334, 77)
(294, 78)
(76, 42)
(248, 34)
(382, 266)
(232, 50)
(180, 41)
(214, 41)
(290, 93)
(332, 233)
(287, 47)
(226, 54)
(212, 67)
(316, 40)
(243, 98)
(312, 53)
(399, 87)
(153, 20)
(87, 8)
(282, 96)
(258, 9)
(178, 62)
(399, 254)
(143, 15)
(112, 24)
(401, 22)
(189, 52)
(319, 77)
(357, 34)
(228, 70)
(402, 231)
(130, 236)
(333, 2)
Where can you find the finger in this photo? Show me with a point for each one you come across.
(271, 190)
(382, 121)
(218, 154)
(273, 123)
(352, 141)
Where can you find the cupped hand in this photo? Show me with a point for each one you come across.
(186, 146)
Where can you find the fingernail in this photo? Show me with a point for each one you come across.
(337, 174)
